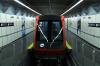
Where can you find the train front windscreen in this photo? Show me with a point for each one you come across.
(49, 34)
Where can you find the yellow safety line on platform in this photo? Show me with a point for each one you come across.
(68, 45)
(30, 46)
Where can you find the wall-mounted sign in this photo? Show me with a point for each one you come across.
(3, 24)
(11, 24)
(6, 24)
(94, 24)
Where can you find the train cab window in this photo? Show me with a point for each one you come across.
(56, 27)
(49, 30)
(43, 27)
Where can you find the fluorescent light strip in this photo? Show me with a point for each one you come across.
(80, 1)
(27, 7)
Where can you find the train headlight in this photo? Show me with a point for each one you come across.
(42, 45)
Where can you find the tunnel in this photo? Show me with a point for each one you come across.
(49, 33)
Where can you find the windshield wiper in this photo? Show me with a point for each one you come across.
(42, 33)
(56, 37)
(46, 37)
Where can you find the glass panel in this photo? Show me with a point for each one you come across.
(50, 29)
(56, 27)
(43, 25)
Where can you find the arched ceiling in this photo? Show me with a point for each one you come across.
(45, 7)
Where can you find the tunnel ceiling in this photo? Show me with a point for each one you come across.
(55, 7)
(45, 7)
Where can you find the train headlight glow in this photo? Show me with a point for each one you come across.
(42, 45)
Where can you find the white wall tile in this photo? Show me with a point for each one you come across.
(97, 30)
(4, 29)
(8, 29)
(0, 34)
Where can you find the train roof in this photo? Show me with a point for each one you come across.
(49, 17)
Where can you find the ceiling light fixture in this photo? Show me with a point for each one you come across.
(80, 1)
(27, 7)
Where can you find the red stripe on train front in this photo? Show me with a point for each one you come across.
(37, 19)
(64, 34)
